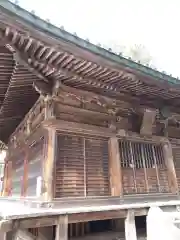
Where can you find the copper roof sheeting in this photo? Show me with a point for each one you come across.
(28, 54)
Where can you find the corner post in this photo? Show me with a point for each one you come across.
(168, 156)
(115, 168)
(48, 166)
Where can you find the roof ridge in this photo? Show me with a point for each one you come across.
(61, 33)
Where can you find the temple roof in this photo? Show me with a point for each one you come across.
(32, 49)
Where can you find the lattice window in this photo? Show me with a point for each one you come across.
(82, 166)
(140, 155)
(143, 167)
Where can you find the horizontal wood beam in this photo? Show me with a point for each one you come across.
(81, 111)
(45, 221)
(80, 128)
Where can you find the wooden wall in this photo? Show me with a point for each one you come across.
(95, 146)
(81, 166)
(35, 165)
(24, 163)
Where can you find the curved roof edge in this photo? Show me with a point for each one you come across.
(63, 35)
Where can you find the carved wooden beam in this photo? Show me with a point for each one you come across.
(147, 122)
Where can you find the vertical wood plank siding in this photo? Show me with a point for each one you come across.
(34, 166)
(81, 166)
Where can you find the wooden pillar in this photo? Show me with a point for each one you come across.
(49, 166)
(115, 168)
(130, 226)
(168, 156)
(62, 228)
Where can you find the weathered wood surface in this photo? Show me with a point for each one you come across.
(115, 168)
(48, 167)
(168, 156)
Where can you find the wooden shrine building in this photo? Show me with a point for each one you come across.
(91, 135)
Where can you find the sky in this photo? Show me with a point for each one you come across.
(153, 23)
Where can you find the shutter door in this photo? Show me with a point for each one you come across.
(70, 166)
(81, 166)
(97, 172)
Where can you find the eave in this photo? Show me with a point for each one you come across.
(66, 37)
(41, 51)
